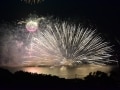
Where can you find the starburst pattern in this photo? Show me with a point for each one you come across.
(68, 44)
(53, 43)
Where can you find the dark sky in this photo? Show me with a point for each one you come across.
(104, 13)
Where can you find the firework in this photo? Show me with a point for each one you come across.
(32, 1)
(32, 26)
(45, 42)
(67, 44)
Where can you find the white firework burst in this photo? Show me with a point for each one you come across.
(53, 43)
(67, 44)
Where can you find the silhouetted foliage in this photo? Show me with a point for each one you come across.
(97, 80)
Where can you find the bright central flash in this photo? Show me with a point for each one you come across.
(32, 26)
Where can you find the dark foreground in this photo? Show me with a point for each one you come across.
(27, 81)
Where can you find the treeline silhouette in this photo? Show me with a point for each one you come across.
(95, 81)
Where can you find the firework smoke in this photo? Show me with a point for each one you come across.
(12, 44)
(55, 43)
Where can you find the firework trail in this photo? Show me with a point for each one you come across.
(47, 42)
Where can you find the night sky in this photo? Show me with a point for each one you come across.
(103, 14)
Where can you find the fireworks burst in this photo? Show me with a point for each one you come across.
(44, 42)
(67, 44)
(32, 1)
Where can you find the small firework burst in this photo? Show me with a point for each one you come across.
(31, 24)
(32, 1)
